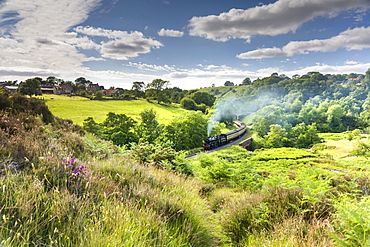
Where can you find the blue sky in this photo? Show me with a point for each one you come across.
(190, 43)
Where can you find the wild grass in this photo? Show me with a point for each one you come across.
(114, 202)
(78, 108)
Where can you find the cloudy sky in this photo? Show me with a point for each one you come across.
(191, 43)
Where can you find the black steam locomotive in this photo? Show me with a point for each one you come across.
(219, 140)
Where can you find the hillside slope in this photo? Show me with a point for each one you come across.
(78, 108)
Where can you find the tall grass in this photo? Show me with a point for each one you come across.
(115, 203)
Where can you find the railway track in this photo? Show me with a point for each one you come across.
(236, 141)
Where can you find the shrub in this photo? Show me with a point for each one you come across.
(352, 222)
(160, 156)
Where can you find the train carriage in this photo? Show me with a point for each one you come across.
(219, 140)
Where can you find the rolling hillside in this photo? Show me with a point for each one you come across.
(78, 108)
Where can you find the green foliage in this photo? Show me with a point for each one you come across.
(276, 138)
(266, 117)
(332, 136)
(321, 147)
(306, 136)
(335, 113)
(300, 136)
(117, 128)
(188, 104)
(98, 95)
(254, 215)
(147, 153)
(186, 132)
(353, 222)
(200, 97)
(138, 88)
(17, 103)
(353, 134)
(362, 148)
(30, 87)
(159, 156)
(281, 153)
(149, 128)
(157, 85)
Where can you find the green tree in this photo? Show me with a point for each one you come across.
(138, 88)
(98, 94)
(311, 136)
(117, 128)
(52, 80)
(228, 83)
(82, 80)
(305, 136)
(267, 116)
(186, 132)
(116, 123)
(203, 98)
(247, 81)
(276, 138)
(157, 85)
(30, 87)
(149, 129)
(362, 149)
(188, 104)
(296, 106)
(334, 117)
(91, 126)
(308, 113)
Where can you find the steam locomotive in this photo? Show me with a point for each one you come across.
(219, 140)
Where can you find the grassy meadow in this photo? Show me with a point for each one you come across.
(78, 108)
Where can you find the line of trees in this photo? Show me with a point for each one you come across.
(157, 90)
(182, 133)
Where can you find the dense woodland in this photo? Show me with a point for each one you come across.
(126, 182)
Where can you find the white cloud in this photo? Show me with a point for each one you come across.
(350, 62)
(46, 17)
(262, 53)
(122, 50)
(280, 17)
(35, 37)
(351, 39)
(359, 68)
(170, 33)
(151, 67)
(121, 44)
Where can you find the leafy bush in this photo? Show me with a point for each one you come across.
(117, 128)
(256, 215)
(353, 222)
(321, 147)
(281, 153)
(160, 156)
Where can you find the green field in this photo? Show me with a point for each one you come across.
(78, 108)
